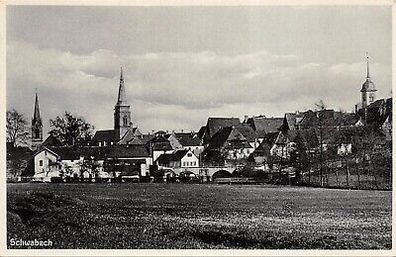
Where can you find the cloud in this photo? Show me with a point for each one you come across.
(173, 90)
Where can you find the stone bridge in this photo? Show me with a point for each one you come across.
(207, 171)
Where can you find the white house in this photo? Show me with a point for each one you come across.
(178, 159)
(46, 164)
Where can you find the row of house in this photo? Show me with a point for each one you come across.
(125, 151)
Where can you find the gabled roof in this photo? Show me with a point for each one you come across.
(308, 136)
(128, 151)
(146, 137)
(214, 124)
(188, 139)
(262, 123)
(201, 132)
(227, 137)
(176, 156)
(379, 111)
(266, 144)
(291, 119)
(347, 119)
(104, 135)
(51, 141)
(159, 143)
(43, 148)
(101, 152)
(131, 137)
(247, 132)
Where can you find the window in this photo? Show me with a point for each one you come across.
(189, 154)
(125, 120)
(40, 163)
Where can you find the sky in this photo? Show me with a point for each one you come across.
(184, 64)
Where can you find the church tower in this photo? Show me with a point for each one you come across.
(37, 126)
(122, 113)
(368, 90)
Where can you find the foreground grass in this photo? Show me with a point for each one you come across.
(198, 216)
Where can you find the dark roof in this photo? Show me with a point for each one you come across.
(290, 120)
(378, 111)
(101, 152)
(188, 139)
(129, 151)
(347, 119)
(266, 144)
(308, 136)
(176, 156)
(247, 132)
(146, 137)
(131, 137)
(51, 141)
(104, 135)
(215, 124)
(229, 137)
(261, 123)
(201, 132)
(159, 143)
(219, 139)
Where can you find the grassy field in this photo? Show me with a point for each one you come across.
(198, 216)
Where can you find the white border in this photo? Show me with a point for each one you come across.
(32, 252)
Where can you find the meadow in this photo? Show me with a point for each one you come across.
(204, 216)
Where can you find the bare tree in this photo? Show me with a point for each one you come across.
(17, 130)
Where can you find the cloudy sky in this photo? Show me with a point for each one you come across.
(184, 64)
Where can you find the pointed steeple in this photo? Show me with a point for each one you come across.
(368, 71)
(121, 92)
(36, 114)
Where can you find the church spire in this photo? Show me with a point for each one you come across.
(37, 126)
(36, 114)
(368, 71)
(121, 92)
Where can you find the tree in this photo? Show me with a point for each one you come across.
(71, 130)
(17, 130)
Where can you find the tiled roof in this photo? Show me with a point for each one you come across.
(51, 141)
(159, 143)
(129, 151)
(101, 152)
(131, 137)
(247, 132)
(261, 123)
(188, 139)
(176, 156)
(214, 124)
(227, 137)
(201, 132)
(266, 144)
(104, 135)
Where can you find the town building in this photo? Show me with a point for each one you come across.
(123, 131)
(179, 159)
